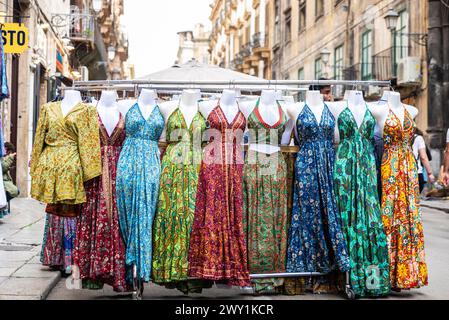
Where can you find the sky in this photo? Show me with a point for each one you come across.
(152, 27)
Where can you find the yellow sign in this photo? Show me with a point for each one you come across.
(14, 37)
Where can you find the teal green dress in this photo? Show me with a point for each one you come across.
(358, 202)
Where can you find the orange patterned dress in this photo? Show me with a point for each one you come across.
(401, 213)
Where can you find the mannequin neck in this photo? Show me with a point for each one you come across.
(289, 99)
(356, 98)
(228, 98)
(314, 98)
(72, 97)
(279, 95)
(385, 96)
(394, 100)
(108, 99)
(189, 98)
(268, 98)
(147, 98)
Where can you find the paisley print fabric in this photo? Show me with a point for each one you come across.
(358, 203)
(316, 240)
(176, 206)
(58, 242)
(401, 212)
(137, 187)
(265, 204)
(99, 252)
(66, 154)
(218, 244)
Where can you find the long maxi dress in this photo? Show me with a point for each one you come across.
(99, 250)
(66, 154)
(265, 203)
(401, 212)
(217, 242)
(316, 240)
(176, 207)
(137, 187)
(359, 206)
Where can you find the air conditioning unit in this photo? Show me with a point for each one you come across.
(84, 73)
(409, 71)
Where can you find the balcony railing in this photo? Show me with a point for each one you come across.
(258, 40)
(246, 50)
(78, 25)
(359, 71)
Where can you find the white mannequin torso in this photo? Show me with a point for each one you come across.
(381, 110)
(108, 111)
(228, 104)
(314, 100)
(187, 104)
(147, 101)
(71, 99)
(356, 105)
(269, 111)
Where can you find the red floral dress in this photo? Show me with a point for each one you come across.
(99, 248)
(217, 243)
(401, 213)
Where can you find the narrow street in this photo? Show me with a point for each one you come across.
(436, 227)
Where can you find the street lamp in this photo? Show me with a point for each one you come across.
(97, 5)
(111, 52)
(325, 56)
(391, 19)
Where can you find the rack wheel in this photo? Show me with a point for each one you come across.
(350, 293)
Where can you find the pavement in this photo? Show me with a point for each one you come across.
(23, 277)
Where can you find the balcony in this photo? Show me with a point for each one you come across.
(246, 50)
(78, 25)
(258, 40)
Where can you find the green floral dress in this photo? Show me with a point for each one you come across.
(358, 202)
(176, 207)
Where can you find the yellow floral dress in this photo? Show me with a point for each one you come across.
(401, 213)
(66, 153)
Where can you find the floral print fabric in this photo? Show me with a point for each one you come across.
(401, 212)
(265, 204)
(176, 206)
(217, 244)
(316, 240)
(137, 187)
(66, 154)
(99, 250)
(358, 203)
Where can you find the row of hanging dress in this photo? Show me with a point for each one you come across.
(66, 153)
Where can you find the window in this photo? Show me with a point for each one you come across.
(367, 55)
(319, 8)
(318, 73)
(277, 21)
(302, 15)
(338, 63)
(288, 26)
(301, 76)
(401, 39)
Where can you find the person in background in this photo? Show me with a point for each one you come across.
(446, 162)
(420, 152)
(8, 162)
(325, 90)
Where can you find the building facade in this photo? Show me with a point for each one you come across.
(194, 45)
(65, 44)
(239, 38)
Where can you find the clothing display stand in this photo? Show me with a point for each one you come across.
(172, 87)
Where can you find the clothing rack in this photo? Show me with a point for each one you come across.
(216, 85)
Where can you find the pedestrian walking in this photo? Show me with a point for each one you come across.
(423, 157)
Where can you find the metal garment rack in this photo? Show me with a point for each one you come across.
(214, 86)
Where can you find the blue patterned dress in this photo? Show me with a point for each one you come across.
(138, 173)
(316, 241)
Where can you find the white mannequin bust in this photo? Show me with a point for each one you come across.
(269, 111)
(228, 104)
(356, 104)
(314, 100)
(107, 108)
(381, 111)
(71, 99)
(147, 101)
